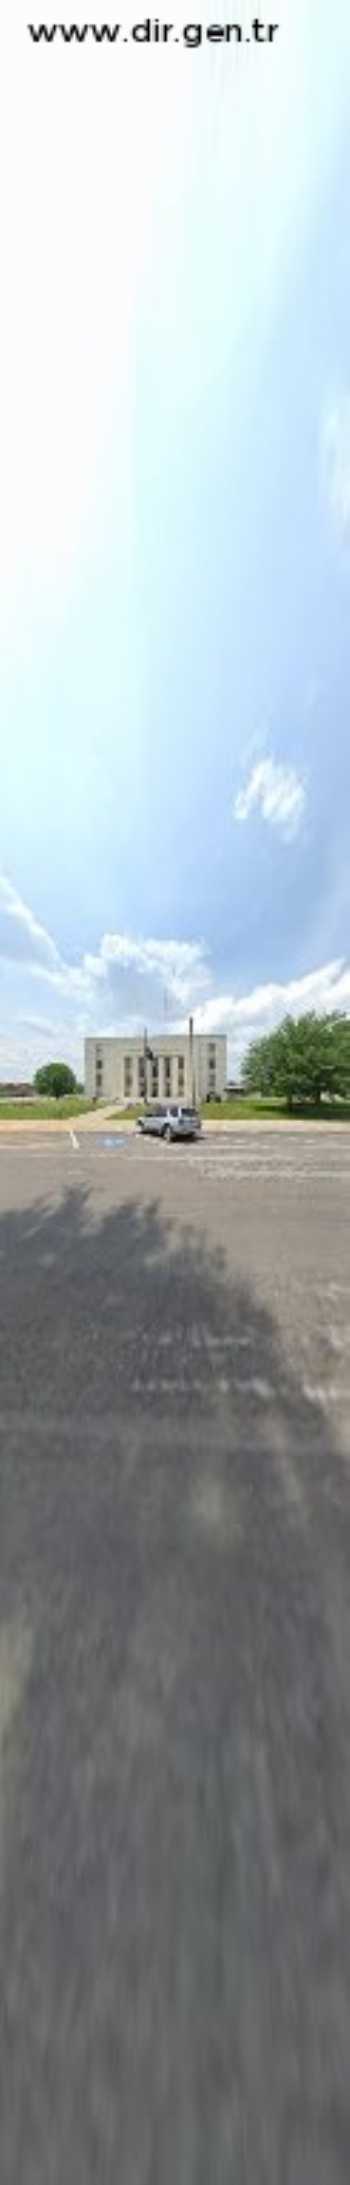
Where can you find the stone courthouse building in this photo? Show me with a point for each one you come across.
(186, 1066)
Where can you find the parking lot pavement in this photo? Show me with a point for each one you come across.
(280, 1213)
(174, 1651)
(283, 1153)
(258, 1154)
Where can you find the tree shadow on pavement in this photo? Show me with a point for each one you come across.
(174, 1721)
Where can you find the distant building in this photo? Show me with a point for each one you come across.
(177, 1068)
(235, 1091)
(16, 1091)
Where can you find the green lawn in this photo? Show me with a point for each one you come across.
(43, 1111)
(125, 1115)
(238, 1111)
(274, 1110)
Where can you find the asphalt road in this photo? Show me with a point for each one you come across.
(175, 1662)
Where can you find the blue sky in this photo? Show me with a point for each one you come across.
(175, 534)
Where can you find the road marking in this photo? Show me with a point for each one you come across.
(315, 1393)
(29, 1152)
(16, 1647)
(74, 1141)
(36, 1226)
(33, 1144)
(34, 1153)
(110, 1145)
(250, 1392)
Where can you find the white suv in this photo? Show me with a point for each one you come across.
(170, 1122)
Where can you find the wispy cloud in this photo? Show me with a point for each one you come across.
(336, 463)
(249, 1016)
(22, 938)
(130, 979)
(278, 792)
(178, 965)
(173, 968)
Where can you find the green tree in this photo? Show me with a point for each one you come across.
(306, 1057)
(55, 1079)
(259, 1067)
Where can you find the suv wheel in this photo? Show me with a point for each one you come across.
(167, 1134)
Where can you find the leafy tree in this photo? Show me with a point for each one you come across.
(306, 1057)
(259, 1067)
(341, 1039)
(55, 1079)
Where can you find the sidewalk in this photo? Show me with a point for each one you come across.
(98, 1117)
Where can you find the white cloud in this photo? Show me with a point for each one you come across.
(22, 938)
(128, 979)
(131, 980)
(277, 791)
(336, 463)
(178, 965)
(249, 1016)
(178, 968)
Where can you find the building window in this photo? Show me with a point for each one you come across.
(155, 1077)
(180, 1075)
(212, 1066)
(167, 1075)
(99, 1071)
(141, 1076)
(128, 1074)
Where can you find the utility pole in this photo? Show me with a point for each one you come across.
(147, 1057)
(191, 1054)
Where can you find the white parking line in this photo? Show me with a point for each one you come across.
(22, 1152)
(74, 1141)
(36, 1151)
